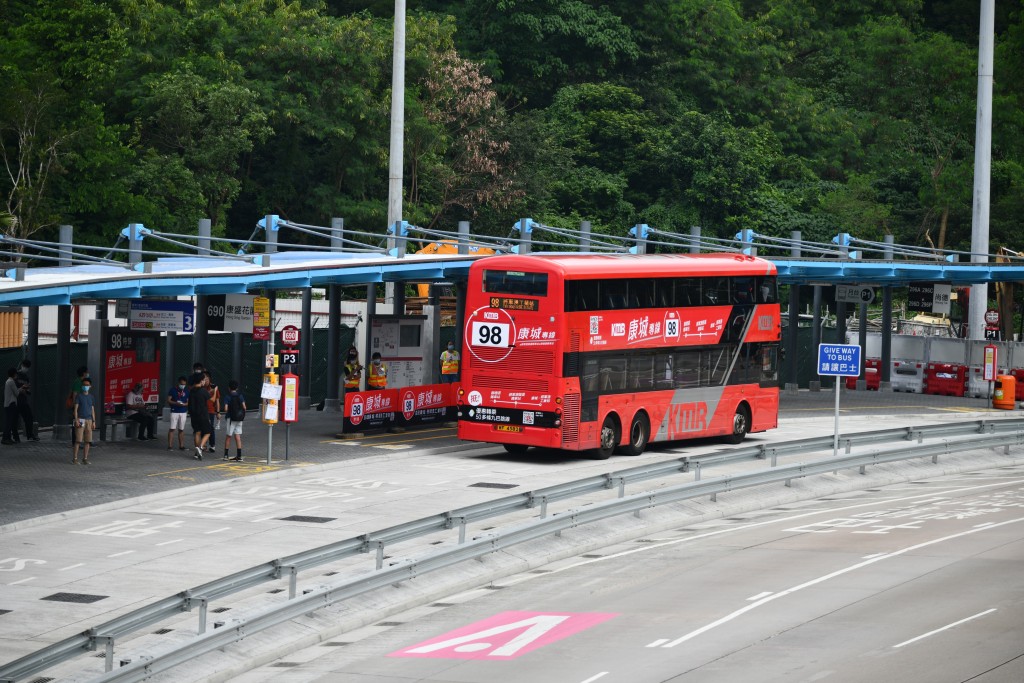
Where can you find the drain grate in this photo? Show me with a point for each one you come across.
(335, 644)
(43, 679)
(491, 485)
(442, 604)
(162, 631)
(286, 665)
(83, 598)
(330, 573)
(220, 609)
(307, 518)
(590, 557)
(540, 571)
(4, 611)
(276, 590)
(494, 588)
(389, 623)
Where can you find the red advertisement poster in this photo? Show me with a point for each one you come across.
(130, 356)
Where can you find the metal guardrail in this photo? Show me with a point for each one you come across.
(1000, 432)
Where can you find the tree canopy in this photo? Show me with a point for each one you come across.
(775, 115)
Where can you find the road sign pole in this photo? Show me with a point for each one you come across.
(835, 437)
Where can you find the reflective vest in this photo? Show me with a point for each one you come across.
(449, 362)
(378, 378)
(352, 376)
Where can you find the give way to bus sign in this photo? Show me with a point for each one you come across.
(842, 360)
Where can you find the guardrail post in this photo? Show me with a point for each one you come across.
(293, 580)
(204, 605)
(108, 642)
(380, 554)
(696, 471)
(621, 481)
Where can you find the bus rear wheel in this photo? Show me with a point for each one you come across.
(639, 435)
(611, 433)
(515, 448)
(740, 425)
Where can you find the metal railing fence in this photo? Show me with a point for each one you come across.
(1004, 432)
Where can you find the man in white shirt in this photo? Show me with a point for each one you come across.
(135, 409)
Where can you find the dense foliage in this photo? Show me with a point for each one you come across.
(775, 115)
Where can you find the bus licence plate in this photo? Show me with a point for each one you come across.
(509, 428)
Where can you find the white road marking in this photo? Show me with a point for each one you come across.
(754, 525)
(821, 579)
(217, 531)
(939, 630)
(315, 507)
(760, 595)
(594, 678)
(15, 583)
(869, 557)
(264, 519)
(71, 566)
(126, 552)
(394, 491)
(658, 642)
(177, 540)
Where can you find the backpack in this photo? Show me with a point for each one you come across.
(235, 411)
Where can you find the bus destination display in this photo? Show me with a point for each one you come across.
(514, 303)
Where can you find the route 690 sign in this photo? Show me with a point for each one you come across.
(290, 336)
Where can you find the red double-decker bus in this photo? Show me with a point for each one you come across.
(598, 352)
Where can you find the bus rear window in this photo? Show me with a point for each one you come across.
(515, 282)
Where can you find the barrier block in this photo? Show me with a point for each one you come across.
(872, 375)
(945, 379)
(907, 375)
(1018, 374)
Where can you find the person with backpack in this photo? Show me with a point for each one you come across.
(234, 409)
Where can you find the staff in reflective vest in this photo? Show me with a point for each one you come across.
(378, 377)
(352, 370)
(450, 365)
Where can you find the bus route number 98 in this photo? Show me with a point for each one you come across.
(491, 334)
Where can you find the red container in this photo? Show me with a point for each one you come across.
(872, 375)
(945, 379)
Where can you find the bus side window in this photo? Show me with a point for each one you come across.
(590, 375)
(663, 293)
(687, 292)
(743, 290)
(614, 294)
(641, 293)
(766, 290)
(641, 372)
(716, 291)
(664, 371)
(687, 369)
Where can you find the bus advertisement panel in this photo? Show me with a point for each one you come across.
(605, 352)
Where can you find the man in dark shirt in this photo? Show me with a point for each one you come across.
(198, 413)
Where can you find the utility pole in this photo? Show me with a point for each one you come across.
(982, 167)
(396, 154)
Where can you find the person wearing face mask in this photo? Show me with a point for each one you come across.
(24, 383)
(11, 408)
(450, 365)
(352, 370)
(85, 421)
(177, 400)
(378, 375)
(81, 374)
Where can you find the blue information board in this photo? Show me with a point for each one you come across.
(841, 360)
(162, 316)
